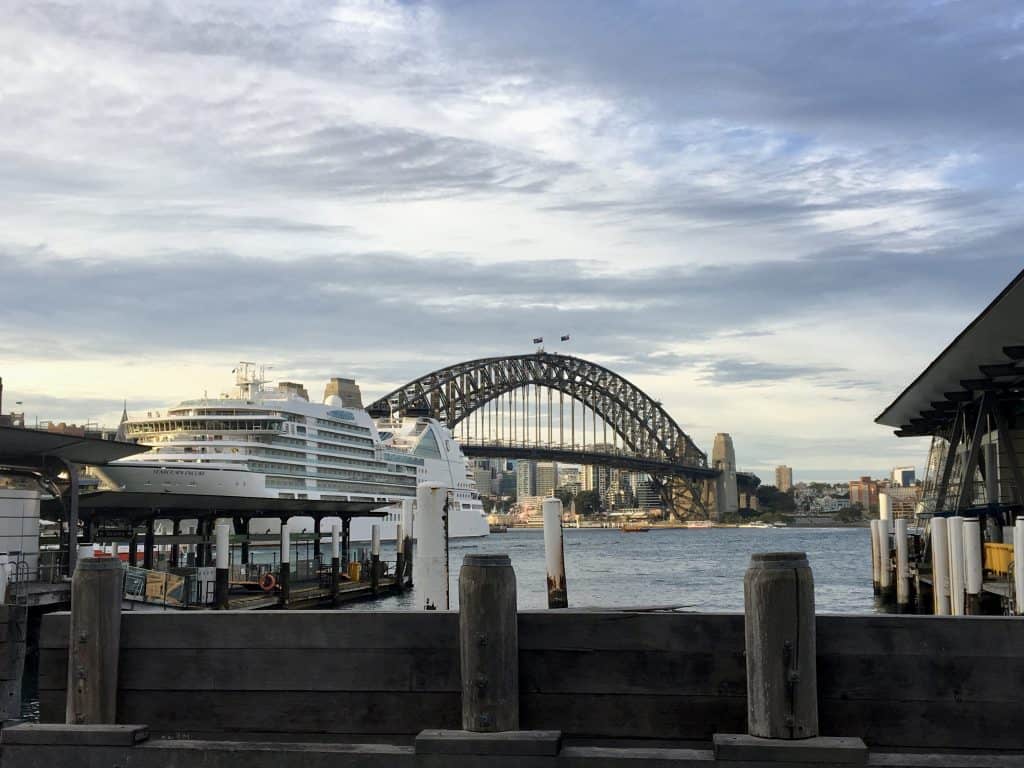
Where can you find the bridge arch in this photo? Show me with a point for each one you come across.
(453, 393)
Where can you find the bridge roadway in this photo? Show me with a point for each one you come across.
(570, 455)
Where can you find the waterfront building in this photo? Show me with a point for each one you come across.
(784, 478)
(547, 478)
(526, 479)
(864, 492)
(483, 476)
(903, 477)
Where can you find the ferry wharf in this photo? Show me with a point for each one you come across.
(492, 686)
(184, 569)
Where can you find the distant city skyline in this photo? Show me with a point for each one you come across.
(377, 189)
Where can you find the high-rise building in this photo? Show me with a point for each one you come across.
(865, 493)
(526, 479)
(723, 458)
(483, 476)
(784, 478)
(547, 478)
(904, 477)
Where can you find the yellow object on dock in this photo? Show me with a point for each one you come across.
(354, 571)
(998, 558)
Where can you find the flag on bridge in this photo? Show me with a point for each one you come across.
(538, 340)
(566, 337)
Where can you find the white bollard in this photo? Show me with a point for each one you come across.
(554, 553)
(375, 539)
(902, 564)
(407, 517)
(86, 550)
(885, 511)
(973, 564)
(955, 534)
(335, 541)
(876, 567)
(884, 559)
(940, 567)
(1018, 564)
(222, 585)
(431, 562)
(286, 543)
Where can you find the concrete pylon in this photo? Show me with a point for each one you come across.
(723, 457)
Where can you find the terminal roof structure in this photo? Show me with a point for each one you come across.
(987, 356)
(31, 447)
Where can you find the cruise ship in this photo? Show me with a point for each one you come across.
(275, 443)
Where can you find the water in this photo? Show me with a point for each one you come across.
(697, 569)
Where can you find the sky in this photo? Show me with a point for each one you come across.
(769, 216)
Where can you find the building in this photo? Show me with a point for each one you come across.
(903, 477)
(723, 458)
(865, 493)
(568, 476)
(483, 476)
(526, 479)
(547, 478)
(784, 478)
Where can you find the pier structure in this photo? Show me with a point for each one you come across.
(179, 569)
(490, 685)
(970, 402)
(550, 407)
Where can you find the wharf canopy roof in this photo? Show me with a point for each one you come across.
(30, 447)
(987, 355)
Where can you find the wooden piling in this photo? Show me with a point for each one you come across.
(149, 544)
(955, 534)
(885, 572)
(940, 567)
(399, 558)
(175, 547)
(408, 517)
(488, 644)
(223, 565)
(902, 566)
(375, 558)
(94, 642)
(973, 573)
(431, 562)
(782, 689)
(554, 553)
(876, 568)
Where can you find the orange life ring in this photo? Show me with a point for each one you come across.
(268, 582)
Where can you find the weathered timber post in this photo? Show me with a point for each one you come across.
(335, 561)
(375, 558)
(955, 534)
(488, 644)
(972, 565)
(286, 557)
(399, 558)
(133, 545)
(554, 553)
(782, 686)
(940, 567)
(876, 567)
(223, 565)
(902, 565)
(94, 641)
(431, 562)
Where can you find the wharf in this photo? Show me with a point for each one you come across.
(315, 596)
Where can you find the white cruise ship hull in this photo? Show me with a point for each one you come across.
(212, 480)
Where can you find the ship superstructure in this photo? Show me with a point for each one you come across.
(275, 443)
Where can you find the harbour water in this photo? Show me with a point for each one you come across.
(695, 569)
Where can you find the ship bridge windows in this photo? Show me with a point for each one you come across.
(428, 447)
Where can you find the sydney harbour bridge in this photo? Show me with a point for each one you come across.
(552, 407)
